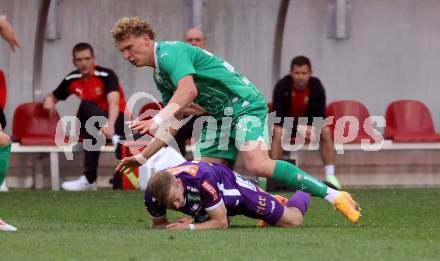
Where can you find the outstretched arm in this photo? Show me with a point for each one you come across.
(217, 219)
(8, 33)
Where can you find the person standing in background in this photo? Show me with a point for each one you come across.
(8, 34)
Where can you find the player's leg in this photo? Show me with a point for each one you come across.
(253, 140)
(258, 162)
(296, 209)
(276, 151)
(86, 110)
(328, 156)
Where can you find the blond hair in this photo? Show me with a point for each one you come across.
(132, 26)
(160, 184)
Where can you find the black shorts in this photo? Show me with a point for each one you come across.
(2, 118)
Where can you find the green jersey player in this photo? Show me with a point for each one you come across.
(184, 75)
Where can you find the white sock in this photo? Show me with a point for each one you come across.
(332, 194)
(329, 170)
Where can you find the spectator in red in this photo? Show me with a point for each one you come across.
(101, 95)
(299, 94)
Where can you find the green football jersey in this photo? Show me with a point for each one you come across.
(219, 85)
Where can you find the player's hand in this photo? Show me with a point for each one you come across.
(178, 226)
(48, 103)
(184, 220)
(141, 126)
(127, 164)
(108, 131)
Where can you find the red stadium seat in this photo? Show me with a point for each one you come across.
(150, 109)
(342, 108)
(409, 121)
(34, 125)
(270, 107)
(2, 90)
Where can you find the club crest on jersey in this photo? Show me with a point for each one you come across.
(98, 90)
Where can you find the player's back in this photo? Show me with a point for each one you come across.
(218, 83)
(215, 181)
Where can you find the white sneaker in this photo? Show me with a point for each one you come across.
(3, 187)
(6, 227)
(80, 184)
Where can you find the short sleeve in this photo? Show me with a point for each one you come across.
(61, 93)
(153, 207)
(111, 82)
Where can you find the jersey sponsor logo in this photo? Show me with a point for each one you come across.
(261, 207)
(272, 202)
(192, 189)
(190, 169)
(78, 91)
(101, 73)
(300, 177)
(210, 189)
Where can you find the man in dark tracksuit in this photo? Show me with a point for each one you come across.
(297, 95)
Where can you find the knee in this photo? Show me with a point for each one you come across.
(296, 222)
(326, 134)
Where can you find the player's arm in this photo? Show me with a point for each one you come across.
(8, 33)
(184, 95)
(194, 109)
(162, 138)
(113, 112)
(218, 218)
(159, 222)
(59, 94)
(49, 101)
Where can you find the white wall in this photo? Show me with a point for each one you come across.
(17, 66)
(392, 52)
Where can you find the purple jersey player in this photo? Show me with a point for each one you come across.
(211, 193)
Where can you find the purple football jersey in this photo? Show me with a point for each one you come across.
(206, 186)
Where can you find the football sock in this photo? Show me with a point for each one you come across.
(332, 194)
(5, 154)
(329, 170)
(292, 176)
(300, 200)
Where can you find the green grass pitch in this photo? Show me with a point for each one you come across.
(397, 224)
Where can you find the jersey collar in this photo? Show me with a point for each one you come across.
(155, 57)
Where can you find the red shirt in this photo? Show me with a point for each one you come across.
(300, 102)
(94, 88)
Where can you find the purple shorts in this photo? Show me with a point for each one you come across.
(261, 205)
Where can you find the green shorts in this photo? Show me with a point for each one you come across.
(221, 137)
